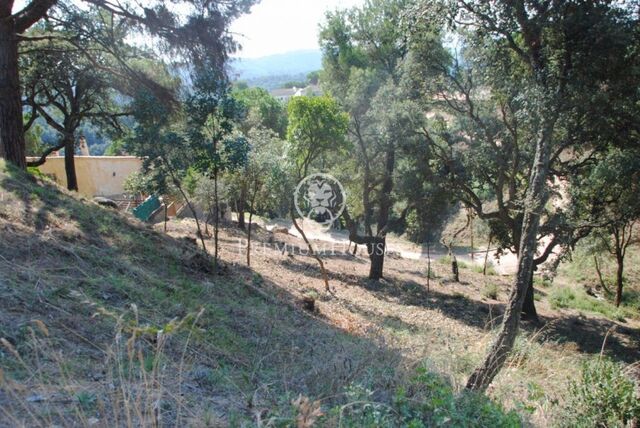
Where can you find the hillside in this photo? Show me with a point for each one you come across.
(289, 63)
(107, 321)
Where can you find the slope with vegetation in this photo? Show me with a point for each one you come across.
(106, 321)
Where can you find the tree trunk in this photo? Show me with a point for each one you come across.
(529, 311)
(12, 147)
(529, 307)
(376, 257)
(216, 219)
(325, 276)
(428, 265)
(240, 206)
(253, 199)
(176, 183)
(599, 272)
(486, 255)
(619, 278)
(377, 246)
(70, 163)
(366, 202)
(536, 198)
(455, 270)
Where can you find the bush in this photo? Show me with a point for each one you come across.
(491, 271)
(490, 291)
(446, 261)
(428, 400)
(564, 297)
(603, 397)
(430, 273)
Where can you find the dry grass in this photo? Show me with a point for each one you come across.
(254, 356)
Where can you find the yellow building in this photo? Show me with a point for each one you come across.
(97, 175)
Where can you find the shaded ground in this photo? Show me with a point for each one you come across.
(451, 324)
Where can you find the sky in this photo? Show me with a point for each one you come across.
(278, 26)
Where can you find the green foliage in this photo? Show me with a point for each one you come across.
(564, 297)
(491, 271)
(313, 77)
(316, 126)
(116, 148)
(490, 291)
(86, 400)
(604, 396)
(262, 110)
(294, 84)
(430, 273)
(428, 400)
(139, 184)
(33, 139)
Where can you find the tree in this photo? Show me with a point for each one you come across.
(67, 91)
(194, 30)
(606, 197)
(555, 52)
(259, 166)
(211, 117)
(159, 138)
(262, 112)
(317, 126)
(364, 50)
(313, 77)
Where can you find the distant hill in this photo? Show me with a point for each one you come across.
(274, 68)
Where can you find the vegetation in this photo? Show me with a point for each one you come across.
(603, 396)
(487, 254)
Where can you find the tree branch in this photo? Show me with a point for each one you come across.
(46, 153)
(35, 11)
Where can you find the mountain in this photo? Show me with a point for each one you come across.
(285, 64)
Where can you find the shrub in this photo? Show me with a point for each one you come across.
(428, 400)
(603, 396)
(491, 271)
(564, 297)
(446, 260)
(490, 291)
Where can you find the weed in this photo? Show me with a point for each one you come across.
(491, 271)
(604, 396)
(256, 279)
(86, 400)
(564, 297)
(490, 291)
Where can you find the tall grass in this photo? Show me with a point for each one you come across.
(564, 297)
(133, 392)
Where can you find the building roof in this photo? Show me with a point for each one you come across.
(284, 92)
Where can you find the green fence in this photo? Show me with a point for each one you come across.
(148, 207)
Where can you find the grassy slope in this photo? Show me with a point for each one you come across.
(85, 294)
(61, 258)
(252, 350)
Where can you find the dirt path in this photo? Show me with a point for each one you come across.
(506, 264)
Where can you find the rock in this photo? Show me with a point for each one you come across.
(105, 202)
(309, 303)
(394, 255)
(35, 398)
(279, 229)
